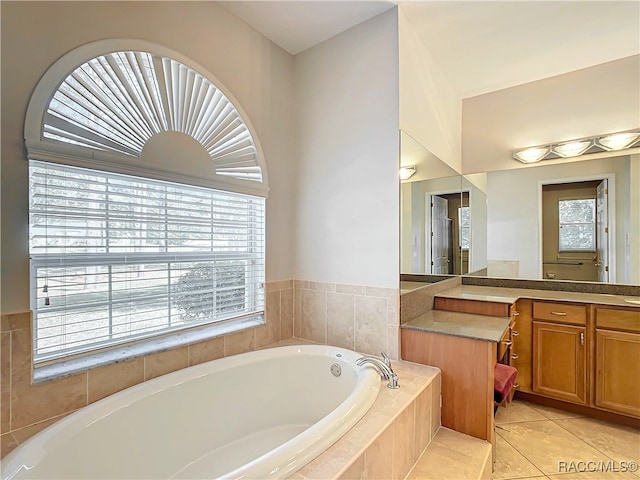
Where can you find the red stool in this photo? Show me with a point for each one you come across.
(504, 383)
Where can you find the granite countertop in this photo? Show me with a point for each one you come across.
(468, 325)
(511, 295)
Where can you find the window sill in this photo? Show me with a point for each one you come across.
(66, 368)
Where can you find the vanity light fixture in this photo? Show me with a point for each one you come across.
(574, 148)
(618, 141)
(406, 172)
(531, 155)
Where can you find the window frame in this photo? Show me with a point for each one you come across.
(44, 149)
(560, 224)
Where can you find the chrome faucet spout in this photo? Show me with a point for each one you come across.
(383, 367)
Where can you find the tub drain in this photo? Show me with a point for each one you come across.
(336, 371)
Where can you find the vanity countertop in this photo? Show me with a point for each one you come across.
(511, 295)
(478, 327)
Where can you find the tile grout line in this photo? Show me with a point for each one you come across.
(520, 452)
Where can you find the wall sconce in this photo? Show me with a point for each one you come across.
(406, 172)
(574, 148)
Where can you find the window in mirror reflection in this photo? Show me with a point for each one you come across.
(577, 224)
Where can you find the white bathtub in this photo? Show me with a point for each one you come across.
(263, 414)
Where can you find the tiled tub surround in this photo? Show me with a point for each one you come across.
(391, 437)
(27, 408)
(360, 318)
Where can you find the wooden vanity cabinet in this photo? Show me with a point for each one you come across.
(617, 353)
(560, 345)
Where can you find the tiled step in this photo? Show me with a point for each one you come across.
(453, 455)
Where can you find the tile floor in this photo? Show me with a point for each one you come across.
(533, 441)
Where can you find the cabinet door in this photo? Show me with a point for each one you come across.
(559, 361)
(617, 371)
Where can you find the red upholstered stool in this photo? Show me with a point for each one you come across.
(504, 384)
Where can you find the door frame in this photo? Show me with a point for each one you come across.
(611, 204)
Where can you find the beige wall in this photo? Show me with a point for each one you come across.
(347, 190)
(430, 108)
(596, 100)
(258, 73)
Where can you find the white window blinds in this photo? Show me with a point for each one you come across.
(116, 258)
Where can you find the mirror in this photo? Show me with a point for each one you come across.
(496, 226)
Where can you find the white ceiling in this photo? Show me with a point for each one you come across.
(481, 46)
(298, 25)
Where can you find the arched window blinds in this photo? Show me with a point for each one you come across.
(118, 250)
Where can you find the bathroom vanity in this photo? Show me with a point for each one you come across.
(577, 351)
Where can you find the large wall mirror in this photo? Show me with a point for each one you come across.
(569, 221)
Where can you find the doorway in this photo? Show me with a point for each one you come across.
(449, 232)
(575, 231)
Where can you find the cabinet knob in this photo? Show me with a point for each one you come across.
(516, 313)
(581, 339)
(514, 356)
(561, 314)
(515, 333)
(508, 343)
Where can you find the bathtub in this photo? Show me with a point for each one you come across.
(263, 414)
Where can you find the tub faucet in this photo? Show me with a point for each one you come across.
(384, 368)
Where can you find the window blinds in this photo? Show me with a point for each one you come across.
(116, 258)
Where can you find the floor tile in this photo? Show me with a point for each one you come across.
(512, 464)
(594, 476)
(553, 413)
(615, 441)
(517, 411)
(545, 444)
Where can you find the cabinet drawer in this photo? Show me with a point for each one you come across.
(560, 312)
(618, 319)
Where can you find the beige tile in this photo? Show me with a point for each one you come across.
(355, 471)
(162, 363)
(278, 285)
(553, 413)
(21, 350)
(286, 314)
(393, 342)
(104, 381)
(33, 403)
(270, 332)
(381, 292)
(239, 342)
(23, 434)
(423, 420)
(15, 321)
(313, 315)
(340, 320)
(404, 452)
(392, 312)
(377, 458)
(517, 411)
(510, 463)
(7, 443)
(452, 455)
(351, 289)
(322, 286)
(332, 461)
(598, 475)
(545, 444)
(5, 381)
(436, 409)
(206, 351)
(371, 325)
(297, 313)
(615, 441)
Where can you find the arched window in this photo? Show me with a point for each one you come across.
(147, 201)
